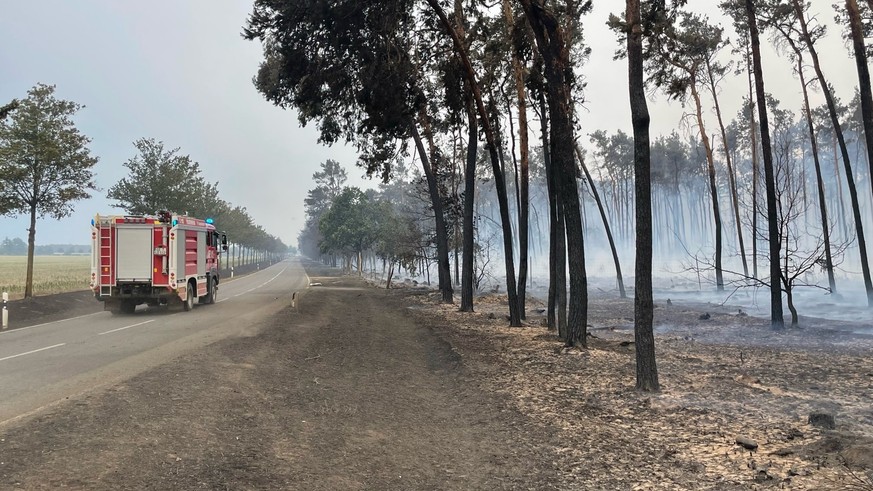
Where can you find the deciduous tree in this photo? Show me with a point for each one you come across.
(45, 163)
(160, 179)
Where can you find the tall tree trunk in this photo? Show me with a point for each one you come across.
(776, 320)
(644, 338)
(524, 204)
(555, 52)
(605, 220)
(822, 204)
(556, 227)
(713, 189)
(835, 120)
(863, 77)
(499, 182)
(753, 135)
(31, 246)
(469, 195)
(444, 272)
(732, 180)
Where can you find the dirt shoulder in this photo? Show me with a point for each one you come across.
(345, 391)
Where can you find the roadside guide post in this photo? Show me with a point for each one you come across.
(5, 311)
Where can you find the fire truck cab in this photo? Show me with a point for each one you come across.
(165, 259)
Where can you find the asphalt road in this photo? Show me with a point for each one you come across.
(47, 363)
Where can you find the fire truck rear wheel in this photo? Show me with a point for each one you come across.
(189, 298)
(128, 306)
(212, 294)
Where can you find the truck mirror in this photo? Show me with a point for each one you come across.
(223, 242)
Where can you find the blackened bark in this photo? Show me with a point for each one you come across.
(605, 221)
(556, 228)
(445, 275)
(753, 135)
(555, 52)
(732, 180)
(713, 188)
(644, 338)
(524, 204)
(863, 77)
(776, 320)
(499, 182)
(469, 192)
(850, 180)
(822, 204)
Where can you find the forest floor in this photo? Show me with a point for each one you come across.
(358, 387)
(802, 397)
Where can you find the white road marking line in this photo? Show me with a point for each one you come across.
(31, 352)
(262, 284)
(125, 327)
(48, 323)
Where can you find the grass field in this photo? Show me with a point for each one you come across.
(51, 274)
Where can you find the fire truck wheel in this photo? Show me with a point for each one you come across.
(127, 306)
(212, 295)
(189, 298)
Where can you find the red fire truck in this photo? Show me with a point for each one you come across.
(165, 259)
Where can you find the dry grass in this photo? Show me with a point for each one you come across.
(51, 274)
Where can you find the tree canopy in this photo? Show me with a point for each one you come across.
(45, 163)
(161, 179)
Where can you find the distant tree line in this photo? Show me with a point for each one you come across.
(388, 228)
(17, 247)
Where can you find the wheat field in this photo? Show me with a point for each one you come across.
(51, 274)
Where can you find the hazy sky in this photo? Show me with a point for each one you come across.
(178, 71)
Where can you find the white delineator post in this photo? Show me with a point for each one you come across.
(5, 311)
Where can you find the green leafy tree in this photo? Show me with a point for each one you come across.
(45, 163)
(329, 184)
(350, 226)
(161, 179)
(398, 240)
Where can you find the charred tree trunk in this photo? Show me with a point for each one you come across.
(776, 320)
(556, 228)
(555, 52)
(605, 220)
(524, 198)
(644, 338)
(469, 194)
(732, 180)
(753, 135)
(822, 204)
(863, 77)
(713, 189)
(850, 180)
(499, 182)
(789, 298)
(442, 240)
